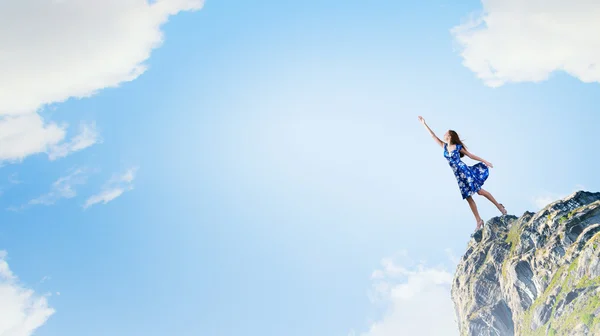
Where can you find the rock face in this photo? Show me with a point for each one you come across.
(538, 274)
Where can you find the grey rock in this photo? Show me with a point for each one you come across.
(542, 313)
(539, 270)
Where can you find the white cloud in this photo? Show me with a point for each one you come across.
(417, 298)
(545, 199)
(527, 40)
(114, 188)
(22, 310)
(104, 196)
(64, 49)
(87, 137)
(64, 187)
(542, 200)
(27, 134)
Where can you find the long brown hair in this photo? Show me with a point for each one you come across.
(455, 139)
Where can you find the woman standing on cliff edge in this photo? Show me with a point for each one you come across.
(470, 178)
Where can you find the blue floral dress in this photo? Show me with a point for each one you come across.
(470, 178)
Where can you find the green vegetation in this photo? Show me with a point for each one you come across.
(574, 264)
(594, 240)
(554, 282)
(574, 211)
(566, 285)
(561, 282)
(587, 282)
(582, 313)
(588, 319)
(513, 237)
(528, 314)
(579, 209)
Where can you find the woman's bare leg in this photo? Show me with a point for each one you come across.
(489, 196)
(473, 206)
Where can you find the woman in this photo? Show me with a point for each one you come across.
(470, 178)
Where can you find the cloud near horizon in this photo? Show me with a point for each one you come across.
(542, 200)
(527, 40)
(69, 49)
(416, 297)
(22, 310)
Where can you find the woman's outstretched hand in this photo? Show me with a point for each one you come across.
(422, 120)
(488, 164)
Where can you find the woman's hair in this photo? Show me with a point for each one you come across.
(455, 139)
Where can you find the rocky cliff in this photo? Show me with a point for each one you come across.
(538, 274)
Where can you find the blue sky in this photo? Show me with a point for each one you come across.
(259, 168)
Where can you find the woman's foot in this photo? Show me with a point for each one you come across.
(479, 224)
(502, 209)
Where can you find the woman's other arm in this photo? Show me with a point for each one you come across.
(475, 157)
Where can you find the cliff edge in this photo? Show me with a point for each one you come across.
(538, 274)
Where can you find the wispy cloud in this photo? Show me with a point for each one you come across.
(114, 188)
(541, 201)
(23, 311)
(88, 136)
(527, 40)
(64, 187)
(417, 298)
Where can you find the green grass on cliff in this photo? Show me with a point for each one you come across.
(562, 281)
(588, 319)
(528, 315)
(513, 237)
(582, 313)
(582, 310)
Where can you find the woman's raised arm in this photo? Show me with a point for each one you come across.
(439, 142)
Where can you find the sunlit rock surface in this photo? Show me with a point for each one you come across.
(538, 274)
